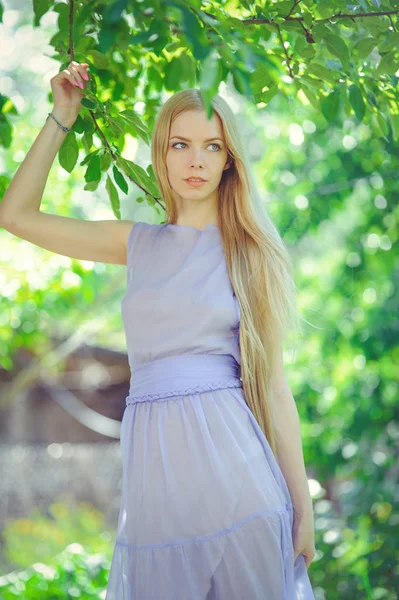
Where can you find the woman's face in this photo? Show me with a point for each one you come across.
(197, 155)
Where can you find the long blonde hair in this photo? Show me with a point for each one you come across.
(258, 263)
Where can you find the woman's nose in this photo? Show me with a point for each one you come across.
(196, 158)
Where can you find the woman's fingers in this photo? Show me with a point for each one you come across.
(81, 69)
(75, 71)
(76, 74)
(71, 77)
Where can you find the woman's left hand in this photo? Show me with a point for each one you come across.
(303, 536)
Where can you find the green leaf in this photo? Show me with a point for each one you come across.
(207, 96)
(113, 196)
(7, 105)
(211, 72)
(375, 25)
(281, 8)
(116, 126)
(156, 78)
(357, 102)
(138, 174)
(100, 60)
(93, 171)
(304, 49)
(80, 125)
(382, 122)
(63, 20)
(337, 47)
(5, 133)
(363, 47)
(389, 42)
(69, 152)
(330, 105)
(322, 9)
(173, 73)
(241, 82)
(394, 118)
(307, 18)
(289, 26)
(330, 75)
(91, 186)
(40, 7)
(311, 81)
(119, 179)
(87, 140)
(105, 161)
(312, 98)
(269, 94)
(388, 64)
(319, 30)
(138, 127)
(187, 65)
(150, 200)
(261, 79)
(88, 103)
(88, 158)
(193, 31)
(374, 126)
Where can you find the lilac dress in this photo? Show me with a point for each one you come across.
(205, 511)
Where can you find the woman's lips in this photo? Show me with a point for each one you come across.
(195, 183)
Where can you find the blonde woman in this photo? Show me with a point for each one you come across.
(215, 503)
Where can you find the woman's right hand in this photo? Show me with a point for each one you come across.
(66, 89)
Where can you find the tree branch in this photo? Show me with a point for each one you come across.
(71, 53)
(257, 21)
(106, 144)
(296, 2)
(71, 50)
(390, 19)
(285, 51)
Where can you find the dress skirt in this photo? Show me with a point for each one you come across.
(205, 511)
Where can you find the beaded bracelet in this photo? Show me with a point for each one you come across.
(62, 126)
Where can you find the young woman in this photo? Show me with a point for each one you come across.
(215, 502)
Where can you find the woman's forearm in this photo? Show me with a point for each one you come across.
(289, 449)
(25, 190)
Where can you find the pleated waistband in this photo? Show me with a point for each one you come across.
(182, 375)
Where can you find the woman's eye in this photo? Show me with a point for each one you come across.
(177, 143)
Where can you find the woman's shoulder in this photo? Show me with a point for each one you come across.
(141, 229)
(146, 225)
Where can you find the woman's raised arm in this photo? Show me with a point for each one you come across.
(20, 214)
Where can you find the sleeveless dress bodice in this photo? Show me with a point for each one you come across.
(178, 299)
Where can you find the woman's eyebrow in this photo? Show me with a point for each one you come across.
(187, 140)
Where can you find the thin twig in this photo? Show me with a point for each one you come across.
(296, 2)
(71, 50)
(157, 200)
(392, 24)
(285, 51)
(257, 21)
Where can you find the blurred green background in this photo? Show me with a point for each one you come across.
(325, 154)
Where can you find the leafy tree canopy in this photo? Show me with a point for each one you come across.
(340, 57)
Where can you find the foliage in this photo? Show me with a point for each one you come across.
(339, 57)
(37, 538)
(74, 573)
